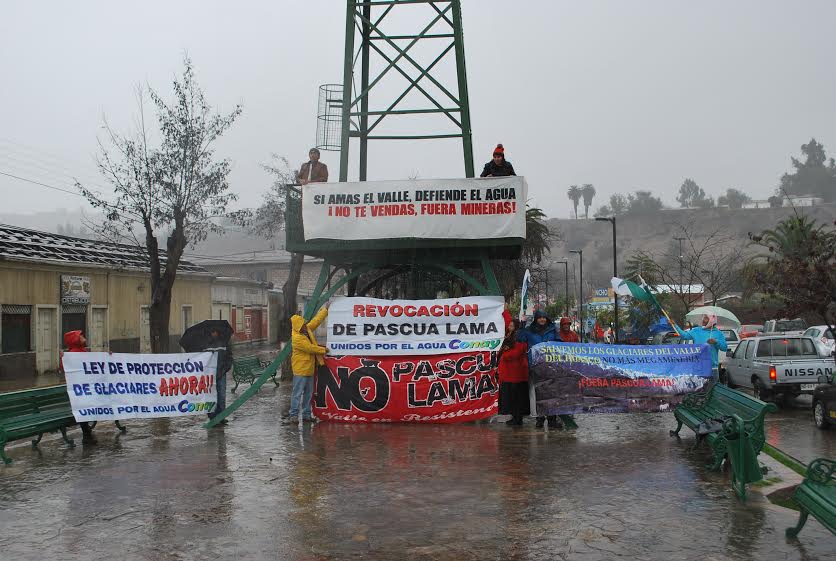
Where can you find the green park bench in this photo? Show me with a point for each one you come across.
(248, 369)
(34, 412)
(817, 496)
(740, 438)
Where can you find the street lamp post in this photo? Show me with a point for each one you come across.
(611, 220)
(565, 263)
(680, 264)
(580, 291)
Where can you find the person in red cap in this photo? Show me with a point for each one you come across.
(566, 334)
(498, 166)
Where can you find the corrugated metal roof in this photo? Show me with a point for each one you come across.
(31, 245)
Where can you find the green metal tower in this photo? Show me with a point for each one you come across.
(381, 51)
(376, 47)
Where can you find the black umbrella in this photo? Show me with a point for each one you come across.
(200, 336)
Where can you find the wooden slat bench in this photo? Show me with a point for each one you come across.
(34, 412)
(817, 496)
(741, 417)
(248, 369)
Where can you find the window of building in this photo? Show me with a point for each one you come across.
(16, 328)
(73, 318)
(187, 318)
(239, 319)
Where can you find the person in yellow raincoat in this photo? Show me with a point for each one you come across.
(307, 354)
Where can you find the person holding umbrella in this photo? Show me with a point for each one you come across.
(708, 334)
(212, 335)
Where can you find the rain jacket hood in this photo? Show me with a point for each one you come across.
(534, 334)
(534, 326)
(296, 323)
(72, 340)
(307, 353)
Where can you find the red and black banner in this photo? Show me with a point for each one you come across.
(451, 388)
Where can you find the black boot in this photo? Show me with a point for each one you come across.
(553, 424)
(516, 420)
(87, 434)
(540, 422)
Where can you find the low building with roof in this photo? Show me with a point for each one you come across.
(51, 284)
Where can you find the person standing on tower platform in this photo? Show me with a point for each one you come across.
(313, 171)
(498, 166)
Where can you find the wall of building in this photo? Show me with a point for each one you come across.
(112, 320)
(243, 303)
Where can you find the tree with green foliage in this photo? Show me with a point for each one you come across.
(734, 198)
(640, 266)
(643, 202)
(617, 206)
(574, 193)
(174, 187)
(588, 192)
(816, 175)
(799, 267)
(692, 195)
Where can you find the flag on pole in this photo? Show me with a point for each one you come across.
(524, 294)
(644, 293)
(629, 288)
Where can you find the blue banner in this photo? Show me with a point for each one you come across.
(569, 378)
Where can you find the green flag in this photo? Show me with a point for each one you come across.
(629, 288)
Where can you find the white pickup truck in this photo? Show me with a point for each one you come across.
(786, 365)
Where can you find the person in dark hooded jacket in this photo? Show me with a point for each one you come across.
(77, 343)
(541, 330)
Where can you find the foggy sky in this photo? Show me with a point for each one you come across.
(623, 95)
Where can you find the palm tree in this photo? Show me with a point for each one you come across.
(538, 240)
(538, 236)
(574, 193)
(588, 193)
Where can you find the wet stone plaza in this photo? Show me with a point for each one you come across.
(617, 488)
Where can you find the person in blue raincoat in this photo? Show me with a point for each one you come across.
(541, 330)
(708, 334)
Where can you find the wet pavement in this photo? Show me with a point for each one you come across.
(619, 487)
(793, 431)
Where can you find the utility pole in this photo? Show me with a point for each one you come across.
(565, 263)
(685, 298)
(580, 292)
(611, 219)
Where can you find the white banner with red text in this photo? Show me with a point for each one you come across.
(105, 386)
(371, 326)
(491, 207)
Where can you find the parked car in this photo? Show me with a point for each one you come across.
(778, 365)
(824, 337)
(750, 330)
(732, 340)
(824, 405)
(665, 338)
(785, 326)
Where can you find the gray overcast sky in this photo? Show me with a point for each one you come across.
(623, 95)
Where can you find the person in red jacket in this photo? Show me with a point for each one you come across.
(513, 374)
(566, 334)
(77, 343)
